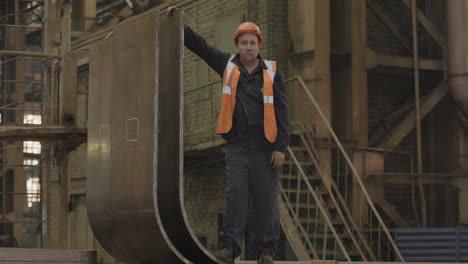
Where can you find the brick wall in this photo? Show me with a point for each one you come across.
(201, 105)
(204, 198)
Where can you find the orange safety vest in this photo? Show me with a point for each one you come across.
(228, 99)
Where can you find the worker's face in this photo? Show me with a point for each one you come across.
(248, 47)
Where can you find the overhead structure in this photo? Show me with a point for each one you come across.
(457, 52)
(135, 143)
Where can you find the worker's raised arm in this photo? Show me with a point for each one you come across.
(214, 57)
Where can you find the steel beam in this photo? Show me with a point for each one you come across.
(21, 81)
(427, 24)
(41, 132)
(375, 60)
(19, 26)
(392, 212)
(389, 22)
(28, 54)
(428, 103)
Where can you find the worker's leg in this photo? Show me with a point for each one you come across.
(236, 197)
(264, 191)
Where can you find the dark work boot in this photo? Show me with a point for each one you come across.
(226, 255)
(265, 258)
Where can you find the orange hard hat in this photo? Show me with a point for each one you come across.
(249, 27)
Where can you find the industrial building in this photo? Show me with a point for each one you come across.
(377, 168)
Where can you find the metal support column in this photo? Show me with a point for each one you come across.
(418, 111)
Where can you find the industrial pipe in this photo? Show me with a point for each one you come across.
(457, 67)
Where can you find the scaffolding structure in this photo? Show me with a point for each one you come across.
(21, 92)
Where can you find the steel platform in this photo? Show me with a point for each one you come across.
(46, 256)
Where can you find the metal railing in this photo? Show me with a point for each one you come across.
(22, 114)
(21, 87)
(318, 186)
(22, 93)
(368, 237)
(308, 213)
(201, 113)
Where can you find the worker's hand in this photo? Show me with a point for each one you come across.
(170, 10)
(277, 159)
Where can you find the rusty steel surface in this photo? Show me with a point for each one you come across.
(135, 144)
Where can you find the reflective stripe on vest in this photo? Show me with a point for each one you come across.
(228, 99)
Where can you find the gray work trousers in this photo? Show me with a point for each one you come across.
(250, 173)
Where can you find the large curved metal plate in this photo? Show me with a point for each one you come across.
(135, 144)
(170, 174)
(121, 126)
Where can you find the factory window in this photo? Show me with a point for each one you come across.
(31, 162)
(32, 147)
(33, 188)
(33, 119)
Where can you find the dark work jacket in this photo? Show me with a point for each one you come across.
(247, 126)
